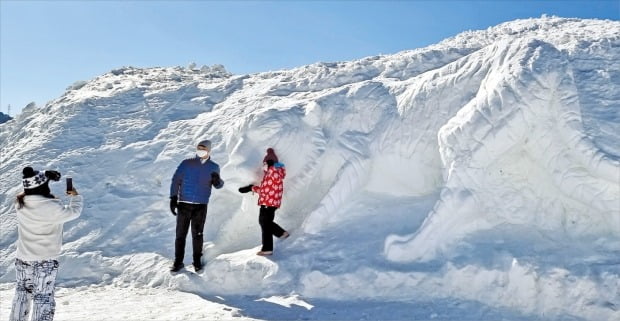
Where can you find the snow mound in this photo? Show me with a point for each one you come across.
(520, 140)
(483, 169)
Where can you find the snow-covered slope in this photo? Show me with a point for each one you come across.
(481, 169)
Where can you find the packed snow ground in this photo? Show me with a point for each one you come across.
(475, 179)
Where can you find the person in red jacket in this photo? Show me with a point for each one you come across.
(269, 199)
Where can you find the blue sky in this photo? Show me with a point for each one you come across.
(45, 46)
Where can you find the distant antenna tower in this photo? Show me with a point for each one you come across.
(9, 110)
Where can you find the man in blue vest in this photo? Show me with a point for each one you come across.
(189, 197)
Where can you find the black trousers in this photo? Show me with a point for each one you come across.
(268, 227)
(194, 215)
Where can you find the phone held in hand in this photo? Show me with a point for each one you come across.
(69, 184)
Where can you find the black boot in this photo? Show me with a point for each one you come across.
(197, 263)
(177, 267)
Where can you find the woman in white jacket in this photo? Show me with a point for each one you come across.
(40, 218)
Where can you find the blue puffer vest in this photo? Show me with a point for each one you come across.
(192, 180)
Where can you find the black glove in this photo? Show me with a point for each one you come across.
(246, 189)
(173, 204)
(215, 179)
(53, 175)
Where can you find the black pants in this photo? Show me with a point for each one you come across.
(194, 214)
(268, 226)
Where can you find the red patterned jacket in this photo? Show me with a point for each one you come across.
(272, 186)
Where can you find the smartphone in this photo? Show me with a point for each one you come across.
(69, 184)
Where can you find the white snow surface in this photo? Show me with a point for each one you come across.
(474, 179)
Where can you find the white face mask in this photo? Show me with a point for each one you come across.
(202, 153)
